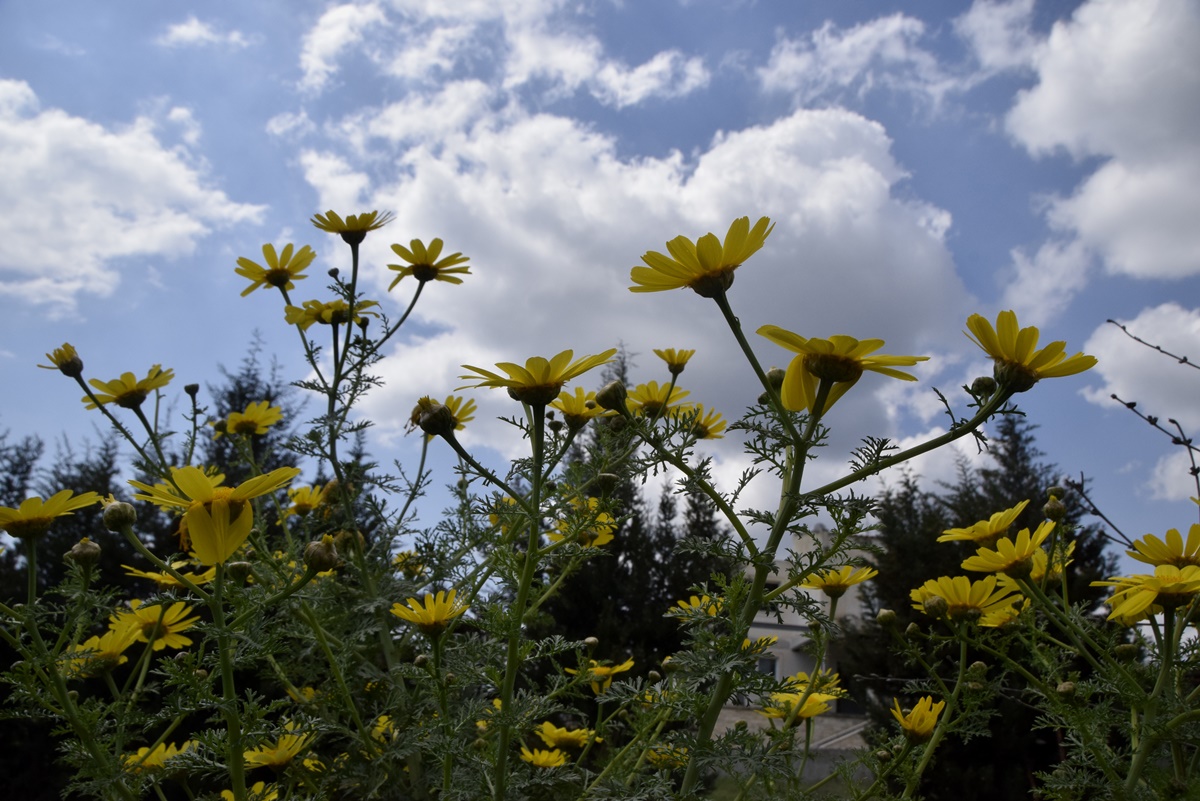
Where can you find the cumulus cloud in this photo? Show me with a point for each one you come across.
(999, 33)
(1158, 383)
(81, 197)
(1120, 81)
(192, 32)
(1044, 284)
(883, 52)
(338, 30)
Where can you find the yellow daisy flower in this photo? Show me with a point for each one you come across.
(702, 603)
(651, 399)
(305, 499)
(964, 599)
(783, 704)
(333, 312)
(543, 759)
(166, 581)
(281, 270)
(602, 675)
(838, 361)
(825, 681)
(1168, 587)
(34, 516)
(159, 625)
(256, 420)
(667, 757)
(919, 723)
(540, 380)
(278, 754)
(147, 759)
(835, 581)
(218, 518)
(66, 360)
(985, 532)
(592, 527)
(707, 265)
(434, 615)
(259, 791)
(579, 407)
(1153, 551)
(1013, 558)
(707, 423)
(409, 563)
(676, 359)
(128, 391)
(99, 654)
(354, 228)
(998, 618)
(423, 263)
(558, 738)
(1019, 364)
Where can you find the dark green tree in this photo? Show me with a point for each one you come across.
(910, 519)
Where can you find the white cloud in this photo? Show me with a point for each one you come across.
(338, 30)
(667, 74)
(290, 124)
(80, 197)
(1121, 81)
(1043, 285)
(999, 33)
(883, 52)
(192, 33)
(429, 50)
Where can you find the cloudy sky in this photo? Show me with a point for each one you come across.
(922, 161)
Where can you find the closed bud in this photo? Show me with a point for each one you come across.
(606, 482)
(612, 396)
(1055, 491)
(936, 606)
(775, 378)
(1126, 651)
(886, 617)
(668, 665)
(975, 686)
(451, 678)
(591, 643)
(884, 755)
(421, 660)
(1054, 509)
(321, 555)
(192, 390)
(436, 419)
(913, 630)
(983, 387)
(73, 695)
(977, 671)
(239, 571)
(332, 272)
(479, 744)
(1066, 689)
(200, 673)
(85, 553)
(118, 515)
(741, 725)
(555, 426)
(653, 677)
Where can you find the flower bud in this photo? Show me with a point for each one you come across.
(936, 606)
(555, 426)
(85, 553)
(612, 396)
(1127, 651)
(668, 665)
(1065, 689)
(239, 571)
(451, 678)
(332, 272)
(479, 744)
(654, 677)
(1054, 509)
(192, 390)
(591, 643)
(118, 515)
(983, 387)
(421, 660)
(775, 378)
(606, 482)
(741, 725)
(913, 630)
(886, 617)
(436, 419)
(884, 755)
(321, 555)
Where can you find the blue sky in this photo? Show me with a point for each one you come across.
(922, 161)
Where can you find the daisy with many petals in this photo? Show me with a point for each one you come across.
(354, 228)
(155, 758)
(835, 581)
(556, 737)
(1019, 362)
(652, 399)
(1153, 551)
(333, 312)
(432, 616)
(34, 516)
(256, 420)
(278, 754)
(694, 605)
(602, 675)
(667, 757)
(66, 360)
(588, 524)
(281, 270)
(540, 758)
(1011, 557)
(579, 407)
(305, 499)
(833, 365)
(166, 581)
(424, 265)
(959, 598)
(128, 391)
(1135, 596)
(791, 707)
(218, 518)
(707, 423)
(160, 625)
(676, 359)
(986, 532)
(705, 266)
(100, 654)
(919, 722)
(540, 380)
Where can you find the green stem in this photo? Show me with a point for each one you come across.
(229, 702)
(943, 724)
